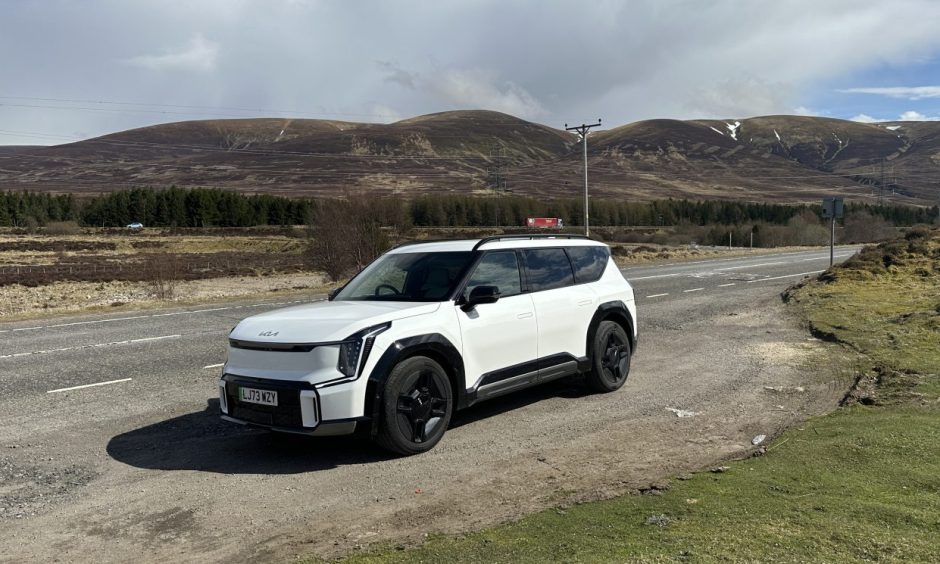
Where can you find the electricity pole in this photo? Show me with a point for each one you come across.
(583, 130)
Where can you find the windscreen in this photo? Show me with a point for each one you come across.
(408, 277)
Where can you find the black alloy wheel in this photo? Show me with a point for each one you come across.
(417, 406)
(611, 360)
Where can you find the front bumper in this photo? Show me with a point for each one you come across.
(300, 406)
(325, 429)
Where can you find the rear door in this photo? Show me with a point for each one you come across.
(499, 339)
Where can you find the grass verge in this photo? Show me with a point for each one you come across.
(862, 483)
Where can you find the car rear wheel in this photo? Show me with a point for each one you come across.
(611, 358)
(416, 407)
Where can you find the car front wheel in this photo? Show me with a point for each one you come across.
(416, 407)
(610, 359)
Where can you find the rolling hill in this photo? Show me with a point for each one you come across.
(772, 158)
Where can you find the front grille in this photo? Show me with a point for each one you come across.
(285, 414)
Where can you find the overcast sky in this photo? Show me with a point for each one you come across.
(76, 69)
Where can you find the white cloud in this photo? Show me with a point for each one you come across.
(900, 92)
(200, 55)
(742, 96)
(480, 88)
(468, 88)
(384, 114)
(804, 111)
(909, 115)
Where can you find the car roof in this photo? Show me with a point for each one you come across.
(510, 242)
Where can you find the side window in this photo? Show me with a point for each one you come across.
(498, 269)
(547, 269)
(588, 262)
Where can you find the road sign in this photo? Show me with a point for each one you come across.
(833, 208)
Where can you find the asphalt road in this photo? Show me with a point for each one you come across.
(108, 422)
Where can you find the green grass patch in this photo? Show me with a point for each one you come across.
(862, 483)
(885, 303)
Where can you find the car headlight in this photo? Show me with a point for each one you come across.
(354, 351)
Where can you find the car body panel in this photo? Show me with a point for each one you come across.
(488, 349)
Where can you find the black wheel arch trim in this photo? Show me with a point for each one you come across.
(617, 311)
(436, 346)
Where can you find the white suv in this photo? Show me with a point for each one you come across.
(429, 328)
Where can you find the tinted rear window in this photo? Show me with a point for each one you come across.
(547, 269)
(588, 262)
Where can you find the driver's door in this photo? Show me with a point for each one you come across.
(499, 339)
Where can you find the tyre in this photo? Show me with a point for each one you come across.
(417, 405)
(610, 358)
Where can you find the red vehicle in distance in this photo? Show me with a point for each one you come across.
(545, 222)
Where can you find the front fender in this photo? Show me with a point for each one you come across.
(433, 345)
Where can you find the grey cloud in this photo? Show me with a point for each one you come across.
(743, 96)
(199, 55)
(397, 75)
(552, 61)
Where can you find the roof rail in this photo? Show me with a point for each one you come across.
(531, 236)
(421, 242)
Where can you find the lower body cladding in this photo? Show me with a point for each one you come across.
(290, 406)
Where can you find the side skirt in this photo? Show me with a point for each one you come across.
(525, 375)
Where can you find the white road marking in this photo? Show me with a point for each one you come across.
(744, 257)
(709, 272)
(725, 285)
(219, 365)
(826, 257)
(792, 254)
(658, 295)
(692, 290)
(785, 276)
(89, 385)
(172, 313)
(660, 276)
(752, 265)
(97, 345)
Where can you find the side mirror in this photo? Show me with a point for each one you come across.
(481, 295)
(332, 294)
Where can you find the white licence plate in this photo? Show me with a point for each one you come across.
(263, 397)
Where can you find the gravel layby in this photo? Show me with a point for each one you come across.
(160, 478)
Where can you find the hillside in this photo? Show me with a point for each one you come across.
(772, 158)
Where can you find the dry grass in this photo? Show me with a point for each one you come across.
(626, 254)
(21, 302)
(39, 249)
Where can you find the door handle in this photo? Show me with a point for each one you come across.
(525, 315)
(585, 302)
